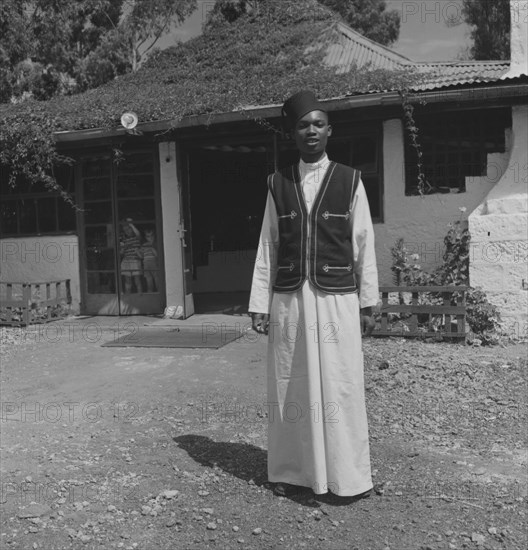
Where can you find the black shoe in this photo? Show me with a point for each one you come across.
(343, 500)
(287, 490)
(366, 494)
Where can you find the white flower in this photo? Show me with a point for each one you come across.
(415, 257)
(462, 208)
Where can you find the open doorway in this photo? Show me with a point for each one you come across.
(227, 191)
(227, 187)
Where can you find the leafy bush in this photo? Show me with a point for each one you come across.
(483, 317)
(405, 269)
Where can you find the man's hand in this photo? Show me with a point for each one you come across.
(367, 321)
(260, 322)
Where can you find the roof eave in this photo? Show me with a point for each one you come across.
(381, 99)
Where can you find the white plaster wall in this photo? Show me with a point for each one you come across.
(499, 229)
(42, 259)
(423, 221)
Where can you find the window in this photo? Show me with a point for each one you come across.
(454, 145)
(33, 210)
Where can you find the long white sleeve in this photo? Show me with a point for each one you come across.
(364, 252)
(266, 262)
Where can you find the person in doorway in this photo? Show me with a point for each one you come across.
(130, 256)
(314, 285)
(150, 261)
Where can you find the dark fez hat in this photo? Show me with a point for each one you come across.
(299, 104)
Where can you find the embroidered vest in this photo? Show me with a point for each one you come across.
(317, 246)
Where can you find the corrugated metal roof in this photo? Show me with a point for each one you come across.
(346, 49)
(442, 74)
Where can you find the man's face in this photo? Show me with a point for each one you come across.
(311, 135)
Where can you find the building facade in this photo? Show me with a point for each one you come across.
(174, 221)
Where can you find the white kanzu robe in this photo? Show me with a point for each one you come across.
(317, 431)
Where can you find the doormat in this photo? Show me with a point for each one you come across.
(208, 336)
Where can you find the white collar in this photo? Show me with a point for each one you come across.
(312, 166)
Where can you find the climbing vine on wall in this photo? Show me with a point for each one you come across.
(258, 59)
(29, 154)
(422, 185)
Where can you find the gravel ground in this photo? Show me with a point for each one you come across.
(10, 340)
(166, 448)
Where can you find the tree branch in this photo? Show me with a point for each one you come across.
(158, 36)
(109, 19)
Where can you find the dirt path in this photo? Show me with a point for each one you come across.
(165, 448)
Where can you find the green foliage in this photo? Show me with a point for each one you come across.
(59, 35)
(14, 43)
(147, 20)
(423, 186)
(32, 156)
(483, 318)
(369, 17)
(406, 272)
(490, 22)
(228, 10)
(72, 45)
(261, 57)
(455, 267)
(106, 62)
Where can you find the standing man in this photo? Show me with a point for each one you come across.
(314, 285)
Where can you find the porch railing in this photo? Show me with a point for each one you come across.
(22, 304)
(419, 319)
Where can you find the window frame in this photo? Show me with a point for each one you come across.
(35, 196)
(439, 147)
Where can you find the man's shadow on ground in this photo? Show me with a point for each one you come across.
(247, 462)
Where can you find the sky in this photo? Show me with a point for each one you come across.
(424, 32)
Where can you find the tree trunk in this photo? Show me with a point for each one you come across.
(134, 56)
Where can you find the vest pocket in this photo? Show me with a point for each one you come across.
(289, 267)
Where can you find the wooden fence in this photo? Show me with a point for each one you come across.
(419, 319)
(22, 304)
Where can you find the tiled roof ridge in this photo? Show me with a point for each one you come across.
(353, 47)
(373, 45)
(398, 57)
